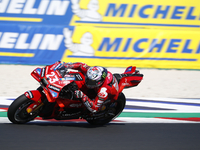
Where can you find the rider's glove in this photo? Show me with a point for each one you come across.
(68, 65)
(78, 93)
(85, 100)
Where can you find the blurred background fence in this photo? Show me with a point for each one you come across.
(111, 33)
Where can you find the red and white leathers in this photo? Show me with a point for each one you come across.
(108, 90)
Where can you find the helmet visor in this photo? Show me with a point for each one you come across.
(92, 83)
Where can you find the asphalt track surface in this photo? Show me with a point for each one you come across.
(113, 136)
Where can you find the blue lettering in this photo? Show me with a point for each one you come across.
(173, 45)
(132, 10)
(141, 12)
(162, 12)
(114, 11)
(198, 49)
(127, 44)
(177, 11)
(185, 48)
(106, 42)
(136, 45)
(154, 44)
(189, 15)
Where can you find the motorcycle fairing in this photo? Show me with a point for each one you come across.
(36, 97)
(130, 70)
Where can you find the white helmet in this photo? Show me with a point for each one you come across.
(95, 76)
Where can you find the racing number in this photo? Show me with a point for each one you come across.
(52, 77)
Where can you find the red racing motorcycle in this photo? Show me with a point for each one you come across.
(55, 98)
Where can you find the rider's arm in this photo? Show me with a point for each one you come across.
(93, 105)
(77, 66)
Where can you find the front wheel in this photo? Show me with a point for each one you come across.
(121, 102)
(17, 110)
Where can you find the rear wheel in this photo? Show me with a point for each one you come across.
(121, 102)
(17, 110)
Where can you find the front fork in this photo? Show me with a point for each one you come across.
(36, 96)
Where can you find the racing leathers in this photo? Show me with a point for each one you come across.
(94, 98)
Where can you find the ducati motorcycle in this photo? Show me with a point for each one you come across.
(55, 98)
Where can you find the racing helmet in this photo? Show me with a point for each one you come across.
(95, 76)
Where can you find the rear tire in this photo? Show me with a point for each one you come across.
(121, 102)
(17, 113)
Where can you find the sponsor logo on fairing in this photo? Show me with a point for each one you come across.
(29, 94)
(53, 88)
(78, 76)
(126, 83)
(54, 94)
(43, 72)
(68, 77)
(38, 70)
(129, 69)
(57, 66)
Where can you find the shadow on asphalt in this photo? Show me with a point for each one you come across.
(67, 124)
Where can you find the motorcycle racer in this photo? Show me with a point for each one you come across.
(99, 82)
(90, 93)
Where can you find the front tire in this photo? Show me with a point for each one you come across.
(121, 102)
(17, 113)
